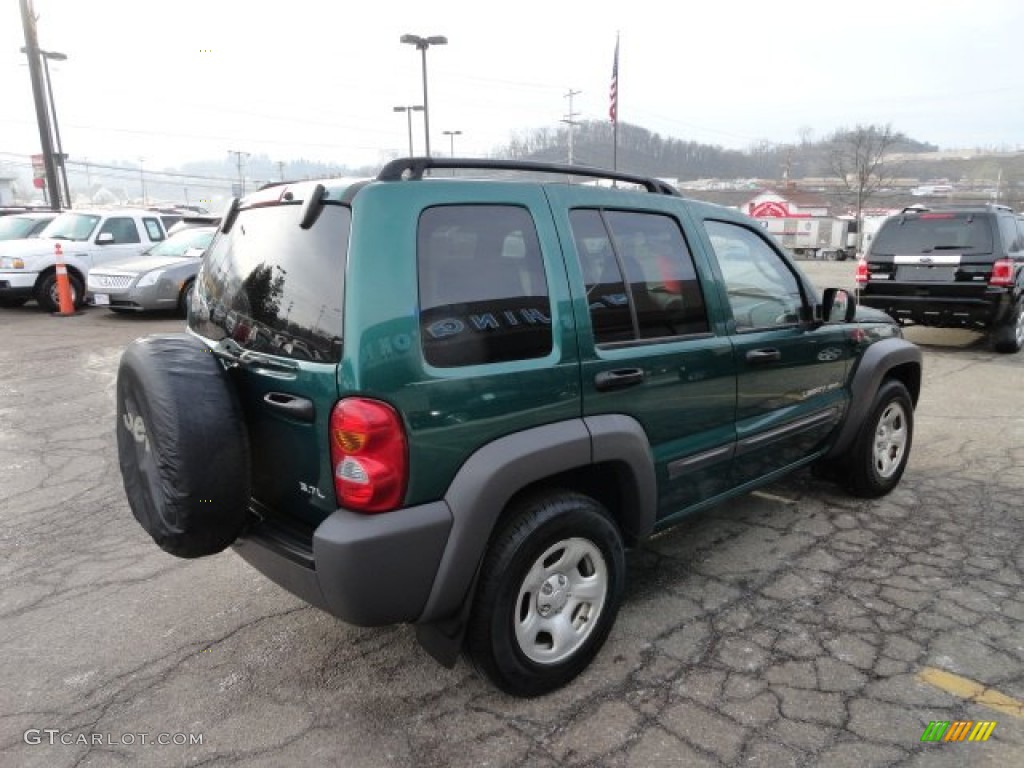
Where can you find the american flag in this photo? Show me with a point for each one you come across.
(613, 93)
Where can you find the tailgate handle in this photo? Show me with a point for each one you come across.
(294, 407)
(619, 378)
(763, 356)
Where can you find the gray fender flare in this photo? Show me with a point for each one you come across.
(878, 360)
(494, 473)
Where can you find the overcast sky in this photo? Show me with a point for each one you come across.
(183, 80)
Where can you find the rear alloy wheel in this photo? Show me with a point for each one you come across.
(1008, 337)
(549, 593)
(880, 452)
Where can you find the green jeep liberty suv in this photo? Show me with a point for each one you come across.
(454, 402)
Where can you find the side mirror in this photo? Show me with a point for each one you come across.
(104, 238)
(838, 305)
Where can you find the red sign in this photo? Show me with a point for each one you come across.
(770, 209)
(39, 182)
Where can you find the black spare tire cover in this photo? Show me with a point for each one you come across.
(182, 445)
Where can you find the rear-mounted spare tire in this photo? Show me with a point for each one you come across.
(182, 445)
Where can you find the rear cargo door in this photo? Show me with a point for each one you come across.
(270, 294)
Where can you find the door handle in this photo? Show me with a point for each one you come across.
(294, 407)
(763, 355)
(618, 379)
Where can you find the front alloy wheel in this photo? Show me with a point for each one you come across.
(879, 454)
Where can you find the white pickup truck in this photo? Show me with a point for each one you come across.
(87, 238)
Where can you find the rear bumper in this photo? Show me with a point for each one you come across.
(368, 570)
(943, 311)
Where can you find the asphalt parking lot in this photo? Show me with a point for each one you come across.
(792, 627)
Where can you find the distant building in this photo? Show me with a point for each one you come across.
(7, 184)
(790, 203)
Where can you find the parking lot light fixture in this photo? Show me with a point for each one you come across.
(422, 43)
(408, 111)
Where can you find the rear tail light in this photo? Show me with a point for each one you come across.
(369, 455)
(862, 272)
(1002, 273)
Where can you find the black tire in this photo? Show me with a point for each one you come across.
(878, 457)
(1008, 336)
(185, 297)
(46, 292)
(182, 445)
(11, 303)
(538, 538)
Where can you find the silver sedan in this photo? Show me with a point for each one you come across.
(160, 279)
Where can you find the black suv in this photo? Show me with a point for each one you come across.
(950, 267)
(453, 402)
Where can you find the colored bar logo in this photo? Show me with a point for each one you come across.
(958, 730)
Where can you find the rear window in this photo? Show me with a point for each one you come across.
(934, 233)
(274, 287)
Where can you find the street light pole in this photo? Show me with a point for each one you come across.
(47, 55)
(422, 43)
(408, 111)
(28, 22)
(451, 135)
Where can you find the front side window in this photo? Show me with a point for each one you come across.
(763, 292)
(483, 291)
(639, 276)
(122, 228)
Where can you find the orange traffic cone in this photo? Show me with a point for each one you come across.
(67, 304)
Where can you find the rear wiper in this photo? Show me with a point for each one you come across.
(951, 248)
(228, 349)
(231, 351)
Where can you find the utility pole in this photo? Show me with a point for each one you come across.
(240, 158)
(142, 182)
(28, 22)
(280, 169)
(569, 118)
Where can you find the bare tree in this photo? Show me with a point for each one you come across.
(858, 158)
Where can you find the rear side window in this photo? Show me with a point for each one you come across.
(154, 230)
(483, 291)
(274, 287)
(934, 233)
(639, 276)
(1010, 235)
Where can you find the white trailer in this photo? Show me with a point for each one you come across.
(815, 237)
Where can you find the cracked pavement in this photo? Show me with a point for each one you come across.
(786, 628)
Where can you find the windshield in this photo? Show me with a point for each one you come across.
(275, 287)
(71, 226)
(183, 241)
(934, 233)
(16, 227)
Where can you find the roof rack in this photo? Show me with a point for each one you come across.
(396, 170)
(967, 206)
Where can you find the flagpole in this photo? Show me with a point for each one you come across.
(613, 111)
